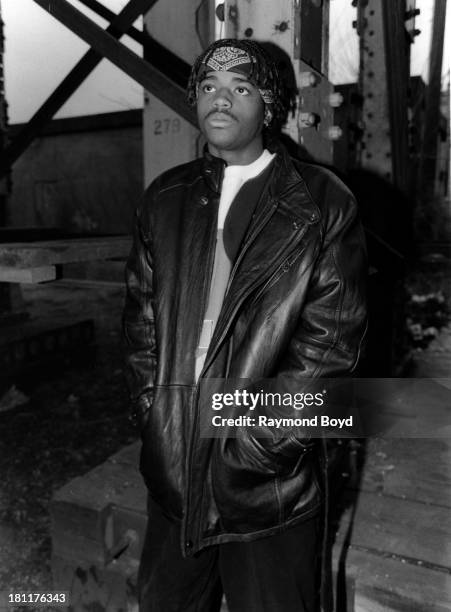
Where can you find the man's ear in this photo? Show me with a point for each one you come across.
(268, 116)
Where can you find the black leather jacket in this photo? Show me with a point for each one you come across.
(294, 308)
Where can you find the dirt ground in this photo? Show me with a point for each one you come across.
(72, 421)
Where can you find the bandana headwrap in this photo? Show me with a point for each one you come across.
(253, 61)
(231, 59)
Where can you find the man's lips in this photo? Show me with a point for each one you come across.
(218, 119)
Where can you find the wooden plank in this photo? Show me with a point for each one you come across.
(401, 527)
(69, 85)
(404, 408)
(415, 469)
(110, 483)
(27, 275)
(54, 252)
(128, 455)
(103, 271)
(90, 513)
(122, 57)
(384, 584)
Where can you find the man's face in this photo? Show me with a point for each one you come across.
(230, 111)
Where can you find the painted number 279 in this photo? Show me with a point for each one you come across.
(166, 126)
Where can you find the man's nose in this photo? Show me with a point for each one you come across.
(222, 99)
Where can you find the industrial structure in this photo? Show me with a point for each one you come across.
(364, 131)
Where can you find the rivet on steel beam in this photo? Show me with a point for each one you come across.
(411, 13)
(334, 132)
(308, 79)
(336, 99)
(220, 14)
(233, 13)
(307, 120)
(282, 26)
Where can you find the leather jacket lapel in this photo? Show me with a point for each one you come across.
(285, 214)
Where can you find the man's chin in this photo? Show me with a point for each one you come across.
(220, 141)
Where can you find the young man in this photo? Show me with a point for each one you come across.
(245, 265)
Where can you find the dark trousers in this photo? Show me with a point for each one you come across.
(273, 574)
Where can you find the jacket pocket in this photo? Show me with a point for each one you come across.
(163, 456)
(245, 478)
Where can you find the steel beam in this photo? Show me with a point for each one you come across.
(122, 57)
(296, 34)
(168, 141)
(383, 79)
(397, 69)
(155, 53)
(427, 176)
(70, 84)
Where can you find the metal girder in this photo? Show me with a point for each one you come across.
(122, 57)
(78, 74)
(432, 114)
(155, 53)
(383, 79)
(106, 13)
(296, 34)
(397, 74)
(69, 85)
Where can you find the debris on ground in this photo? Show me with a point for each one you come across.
(12, 399)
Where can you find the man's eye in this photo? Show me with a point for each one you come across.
(207, 88)
(243, 91)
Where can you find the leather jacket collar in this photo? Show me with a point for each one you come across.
(213, 170)
(289, 181)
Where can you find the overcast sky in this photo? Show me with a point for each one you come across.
(40, 52)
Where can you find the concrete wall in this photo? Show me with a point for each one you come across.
(84, 174)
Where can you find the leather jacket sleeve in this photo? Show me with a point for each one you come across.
(332, 324)
(138, 325)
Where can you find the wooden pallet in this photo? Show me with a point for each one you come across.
(97, 524)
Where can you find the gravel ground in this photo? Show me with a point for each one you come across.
(73, 420)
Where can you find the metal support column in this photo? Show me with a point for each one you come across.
(184, 29)
(384, 72)
(298, 34)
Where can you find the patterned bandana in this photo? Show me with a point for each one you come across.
(232, 59)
